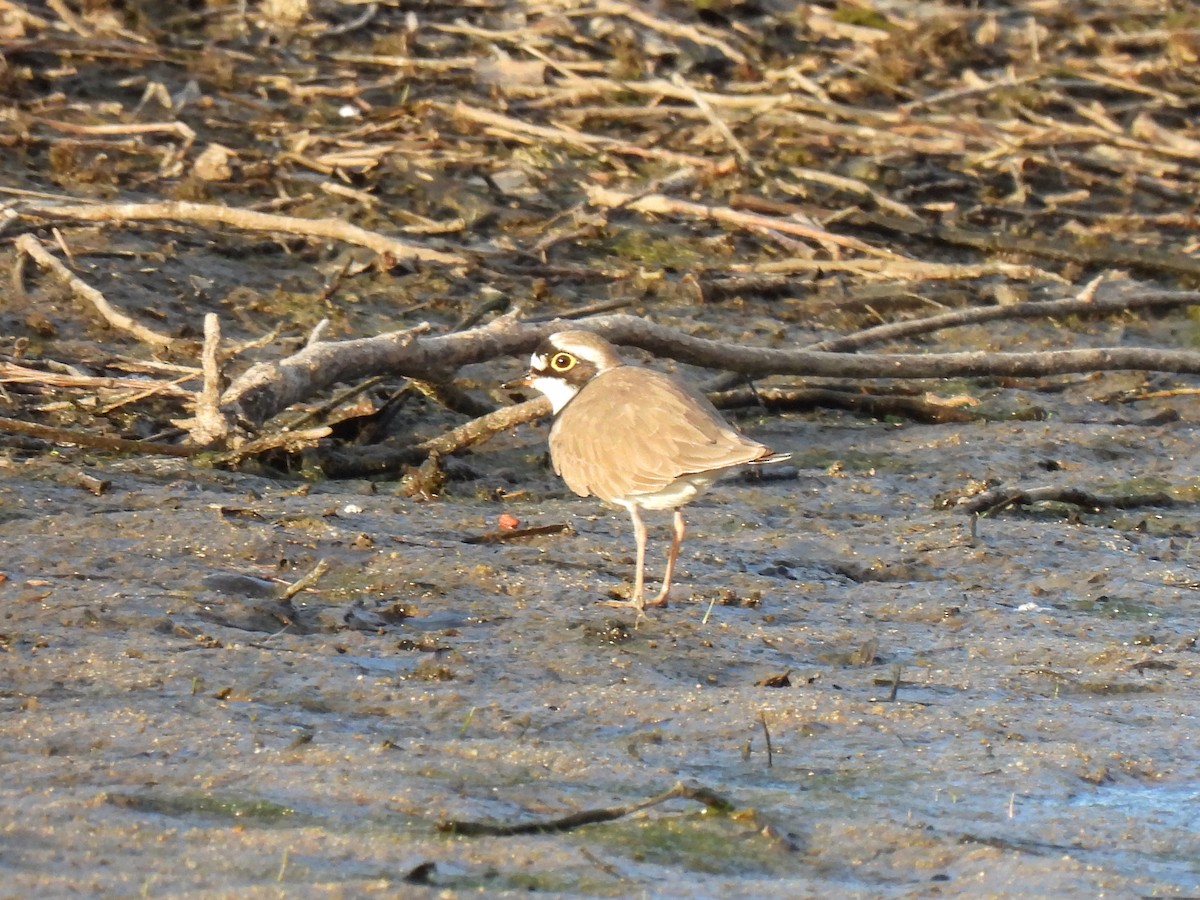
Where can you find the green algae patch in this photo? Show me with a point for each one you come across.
(1117, 608)
(187, 804)
(700, 842)
(647, 249)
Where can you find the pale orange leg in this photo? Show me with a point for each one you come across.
(637, 601)
(639, 579)
(676, 543)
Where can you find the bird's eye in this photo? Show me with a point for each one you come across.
(562, 362)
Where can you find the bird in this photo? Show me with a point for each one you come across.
(633, 436)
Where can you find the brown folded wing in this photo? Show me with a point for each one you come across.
(632, 430)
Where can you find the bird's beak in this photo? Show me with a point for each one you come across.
(524, 381)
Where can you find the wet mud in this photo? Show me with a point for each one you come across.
(945, 715)
(893, 703)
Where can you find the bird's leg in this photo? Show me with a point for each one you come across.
(639, 579)
(672, 555)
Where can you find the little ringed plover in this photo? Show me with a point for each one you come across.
(633, 436)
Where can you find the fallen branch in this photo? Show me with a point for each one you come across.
(1114, 302)
(246, 219)
(16, 374)
(1094, 251)
(186, 134)
(709, 798)
(893, 270)
(1002, 498)
(210, 426)
(802, 399)
(360, 462)
(527, 132)
(287, 441)
(99, 442)
(30, 246)
(485, 427)
(660, 204)
(268, 388)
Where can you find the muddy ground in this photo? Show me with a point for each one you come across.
(165, 733)
(892, 704)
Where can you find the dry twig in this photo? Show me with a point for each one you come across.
(1114, 302)
(18, 374)
(99, 442)
(306, 581)
(658, 204)
(1095, 251)
(285, 441)
(30, 246)
(709, 798)
(210, 426)
(510, 127)
(248, 219)
(797, 399)
(1001, 498)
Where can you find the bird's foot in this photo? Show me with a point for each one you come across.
(638, 603)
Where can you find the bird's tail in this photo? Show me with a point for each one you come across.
(770, 456)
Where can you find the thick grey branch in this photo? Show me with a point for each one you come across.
(268, 388)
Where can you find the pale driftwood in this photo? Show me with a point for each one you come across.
(1112, 302)
(416, 63)
(902, 270)
(246, 219)
(718, 123)
(357, 462)
(1093, 251)
(292, 441)
(210, 425)
(527, 132)
(659, 204)
(269, 388)
(186, 134)
(479, 430)
(30, 246)
(18, 374)
(305, 581)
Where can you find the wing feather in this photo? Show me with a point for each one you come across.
(632, 431)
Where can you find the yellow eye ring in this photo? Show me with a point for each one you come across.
(562, 362)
